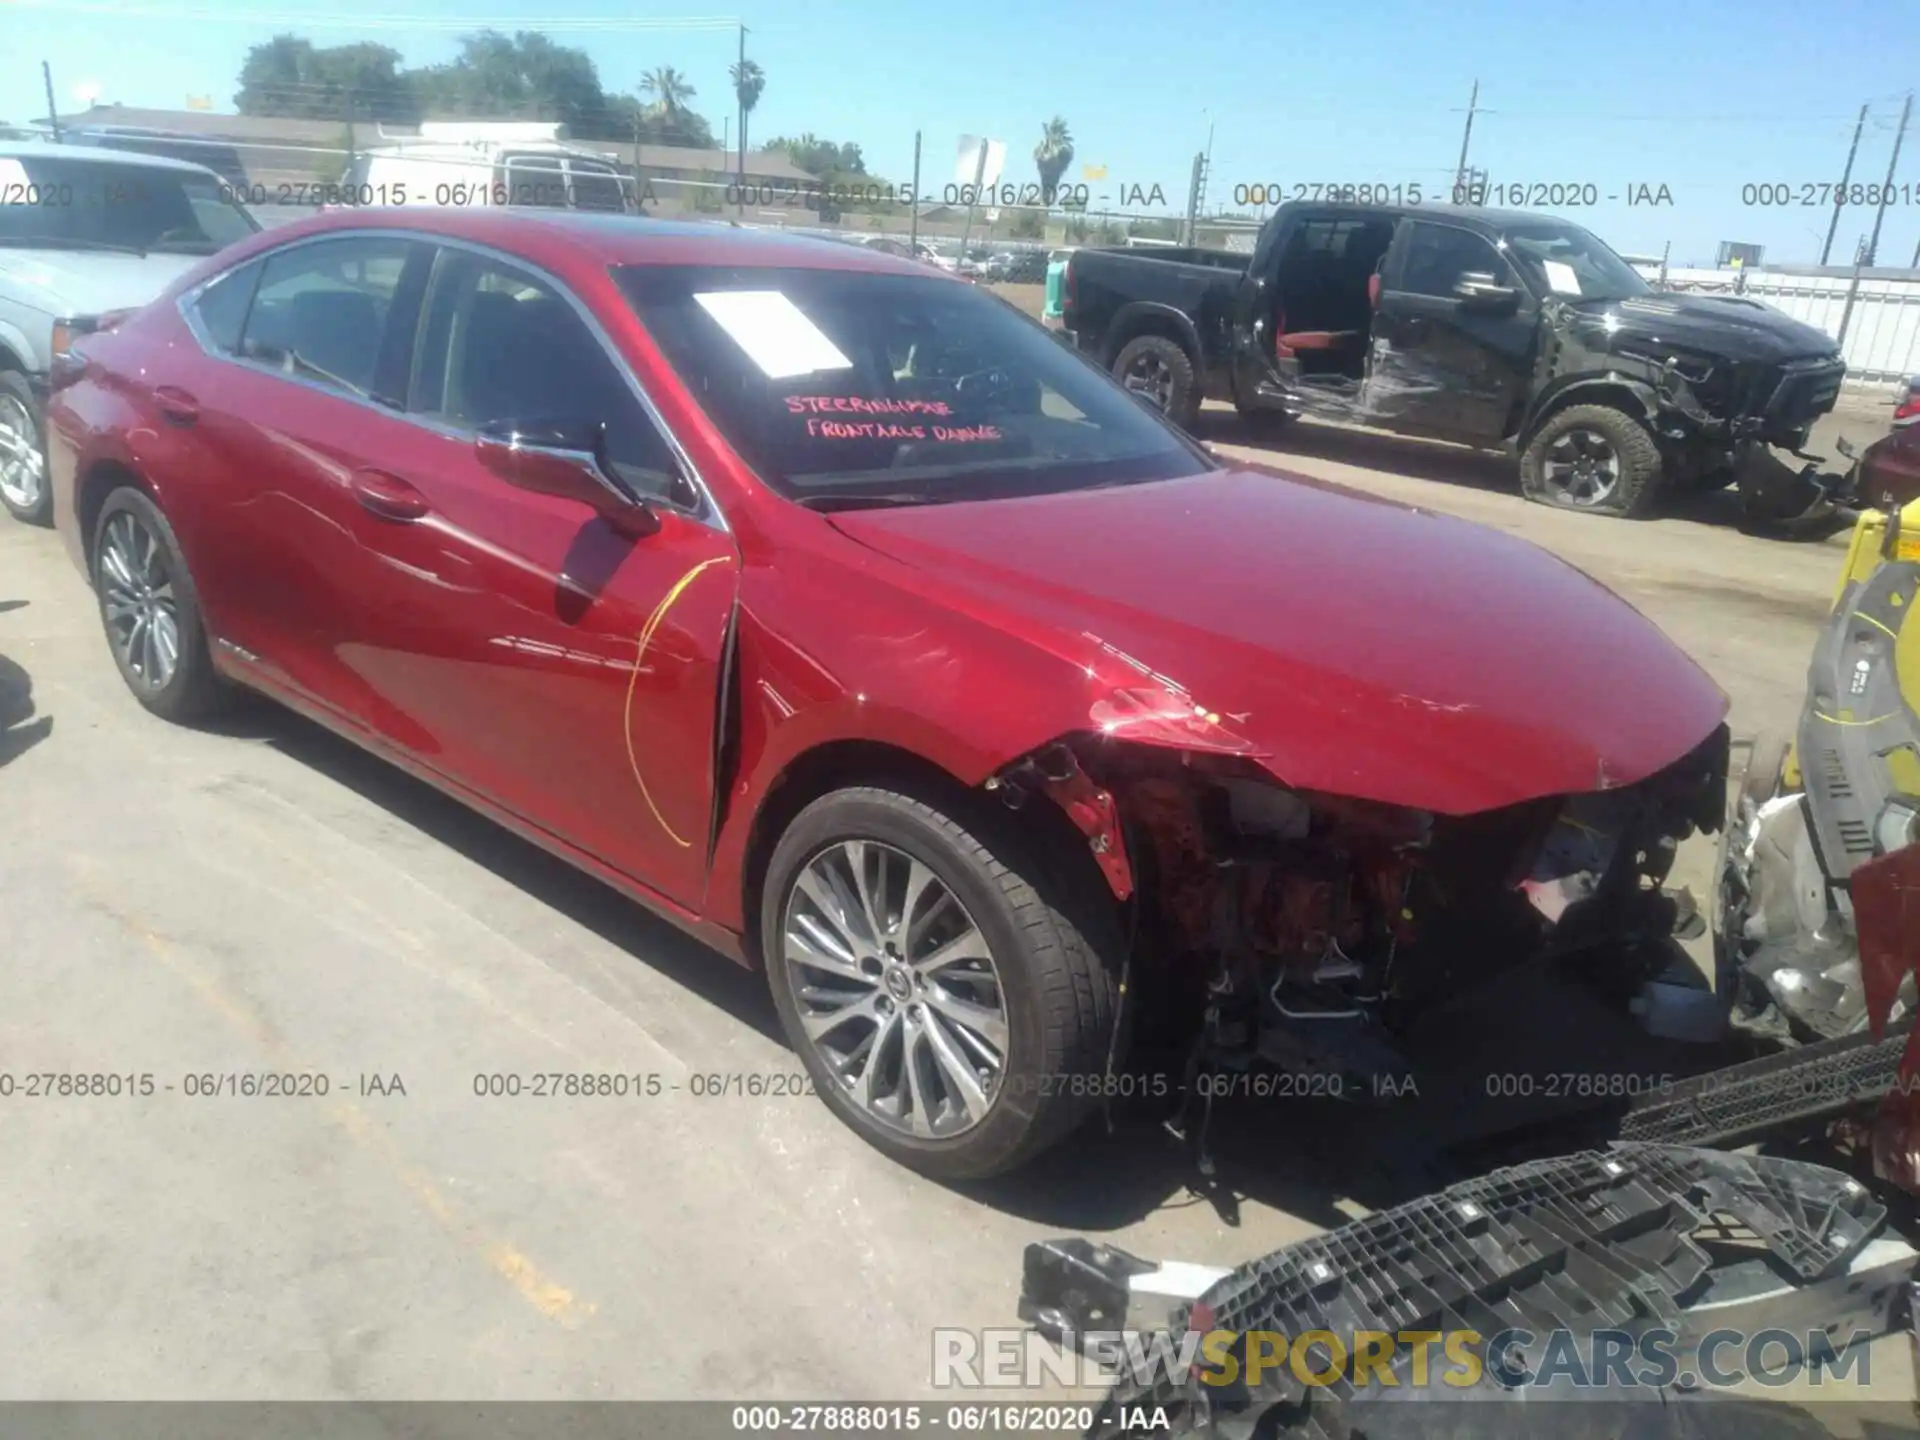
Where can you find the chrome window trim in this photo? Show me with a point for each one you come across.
(707, 512)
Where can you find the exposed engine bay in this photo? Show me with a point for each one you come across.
(1306, 930)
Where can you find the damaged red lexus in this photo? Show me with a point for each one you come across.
(835, 611)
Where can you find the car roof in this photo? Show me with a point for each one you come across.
(96, 154)
(480, 153)
(613, 239)
(1475, 216)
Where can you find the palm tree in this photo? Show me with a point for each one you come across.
(1052, 156)
(749, 80)
(670, 91)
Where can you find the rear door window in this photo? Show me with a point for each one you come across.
(536, 180)
(322, 312)
(221, 309)
(595, 187)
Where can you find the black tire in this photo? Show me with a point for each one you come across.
(1053, 935)
(1182, 402)
(1636, 481)
(192, 690)
(14, 389)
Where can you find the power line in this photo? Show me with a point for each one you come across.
(579, 24)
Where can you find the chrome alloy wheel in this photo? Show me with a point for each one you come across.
(896, 988)
(23, 470)
(136, 596)
(1581, 467)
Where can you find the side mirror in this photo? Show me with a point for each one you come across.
(1479, 292)
(562, 458)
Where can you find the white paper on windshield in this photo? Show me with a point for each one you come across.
(1561, 278)
(14, 185)
(775, 332)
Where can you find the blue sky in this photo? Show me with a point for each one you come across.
(1703, 98)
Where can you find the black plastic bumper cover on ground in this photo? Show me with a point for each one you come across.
(1600, 1240)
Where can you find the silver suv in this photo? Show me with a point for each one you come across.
(83, 231)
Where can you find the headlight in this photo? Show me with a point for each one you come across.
(1898, 827)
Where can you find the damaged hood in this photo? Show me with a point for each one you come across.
(1349, 644)
(1732, 326)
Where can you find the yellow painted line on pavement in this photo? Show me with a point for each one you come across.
(553, 1300)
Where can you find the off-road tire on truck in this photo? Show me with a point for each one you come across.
(1051, 938)
(17, 406)
(1592, 458)
(1166, 368)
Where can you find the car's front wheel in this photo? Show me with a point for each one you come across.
(952, 996)
(23, 457)
(1592, 457)
(150, 609)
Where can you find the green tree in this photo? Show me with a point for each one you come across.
(820, 158)
(521, 76)
(524, 76)
(749, 83)
(289, 76)
(1053, 155)
(1028, 225)
(670, 91)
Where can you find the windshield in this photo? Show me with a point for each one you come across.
(99, 204)
(895, 387)
(1568, 261)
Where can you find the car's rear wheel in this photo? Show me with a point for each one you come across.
(24, 489)
(1157, 369)
(952, 996)
(150, 610)
(1592, 457)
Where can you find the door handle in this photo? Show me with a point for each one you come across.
(176, 404)
(388, 496)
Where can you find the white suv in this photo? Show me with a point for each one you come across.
(83, 231)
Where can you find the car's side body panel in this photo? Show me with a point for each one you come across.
(521, 653)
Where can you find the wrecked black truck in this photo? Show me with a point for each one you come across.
(1497, 329)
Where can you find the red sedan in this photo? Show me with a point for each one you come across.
(834, 610)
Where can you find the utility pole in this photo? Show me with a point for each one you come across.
(1853, 291)
(53, 111)
(1886, 191)
(1196, 187)
(353, 159)
(1207, 169)
(640, 189)
(740, 170)
(1466, 139)
(1846, 175)
(973, 198)
(913, 208)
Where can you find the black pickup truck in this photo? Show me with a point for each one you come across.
(1493, 328)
